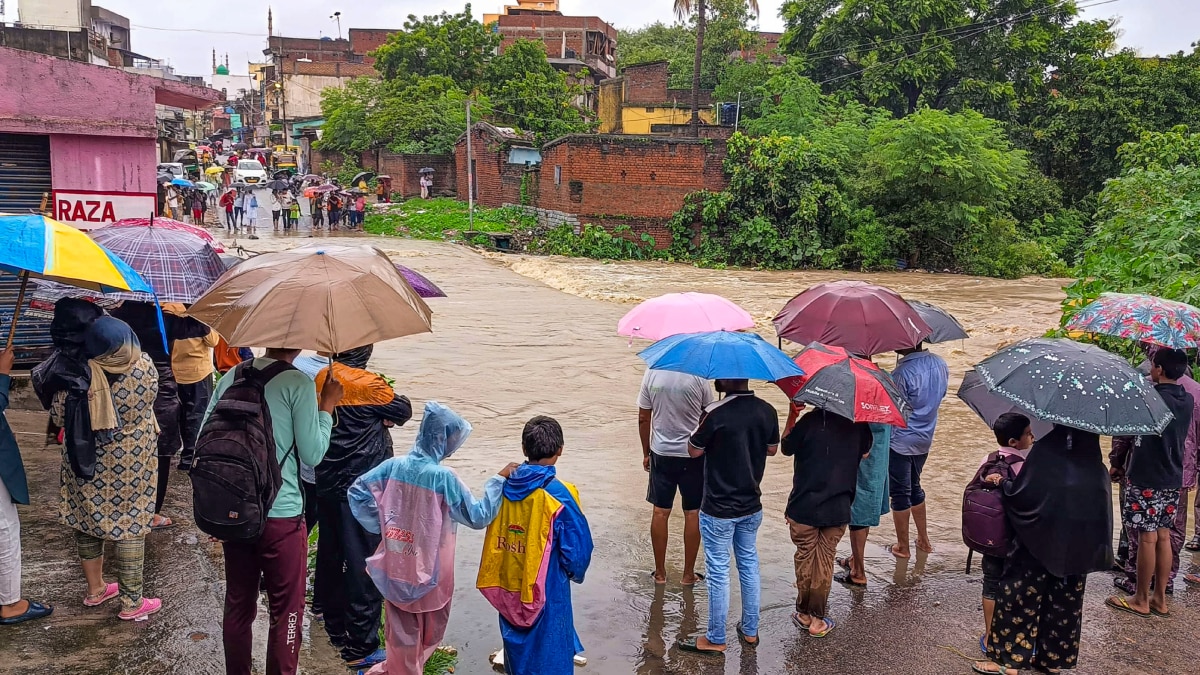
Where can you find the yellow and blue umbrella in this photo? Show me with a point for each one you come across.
(40, 247)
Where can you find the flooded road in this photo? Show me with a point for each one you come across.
(520, 336)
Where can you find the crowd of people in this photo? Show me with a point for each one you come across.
(129, 398)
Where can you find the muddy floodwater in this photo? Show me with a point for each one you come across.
(520, 336)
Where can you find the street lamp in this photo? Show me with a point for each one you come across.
(337, 16)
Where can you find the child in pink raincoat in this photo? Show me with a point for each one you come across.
(417, 504)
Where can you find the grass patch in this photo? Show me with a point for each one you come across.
(444, 219)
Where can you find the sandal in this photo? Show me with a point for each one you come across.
(1194, 544)
(842, 562)
(746, 638)
(36, 610)
(689, 645)
(164, 523)
(830, 624)
(110, 592)
(843, 577)
(144, 609)
(798, 623)
(1122, 605)
(983, 644)
(982, 670)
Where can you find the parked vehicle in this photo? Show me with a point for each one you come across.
(250, 171)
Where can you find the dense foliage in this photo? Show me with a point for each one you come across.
(429, 70)
(727, 30)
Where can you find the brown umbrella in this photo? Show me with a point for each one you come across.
(327, 298)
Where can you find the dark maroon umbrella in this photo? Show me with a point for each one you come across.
(862, 318)
(423, 286)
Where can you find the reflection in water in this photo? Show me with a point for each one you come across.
(672, 616)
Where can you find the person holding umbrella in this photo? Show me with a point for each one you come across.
(239, 208)
(924, 379)
(228, 199)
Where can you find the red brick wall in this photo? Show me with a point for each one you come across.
(364, 40)
(403, 169)
(496, 181)
(646, 83)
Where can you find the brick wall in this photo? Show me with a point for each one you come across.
(496, 181)
(404, 170)
(646, 83)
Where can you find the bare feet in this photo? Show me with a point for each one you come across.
(925, 545)
(702, 644)
(690, 579)
(660, 577)
(988, 667)
(898, 550)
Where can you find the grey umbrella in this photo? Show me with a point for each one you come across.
(945, 326)
(974, 392)
(1076, 385)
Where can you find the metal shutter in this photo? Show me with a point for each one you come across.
(24, 179)
(24, 172)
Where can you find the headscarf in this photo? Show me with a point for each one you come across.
(112, 348)
(1060, 505)
(66, 369)
(71, 318)
(442, 432)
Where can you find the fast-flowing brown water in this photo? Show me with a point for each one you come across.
(520, 336)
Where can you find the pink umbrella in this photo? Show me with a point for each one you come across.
(676, 313)
(169, 224)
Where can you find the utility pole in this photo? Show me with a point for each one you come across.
(470, 174)
(737, 113)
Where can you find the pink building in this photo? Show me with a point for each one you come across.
(80, 141)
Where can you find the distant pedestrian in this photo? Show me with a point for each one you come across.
(360, 211)
(239, 204)
(827, 449)
(197, 201)
(335, 211)
(735, 437)
(426, 185)
(252, 213)
(317, 207)
(924, 379)
(227, 201)
(669, 408)
(13, 490)
(380, 191)
(273, 201)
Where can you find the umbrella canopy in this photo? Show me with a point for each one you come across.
(172, 224)
(205, 186)
(1141, 317)
(362, 176)
(860, 317)
(229, 260)
(427, 169)
(974, 392)
(330, 298)
(179, 265)
(214, 170)
(383, 177)
(322, 188)
(240, 146)
(676, 313)
(422, 285)
(945, 326)
(36, 246)
(165, 177)
(1076, 385)
(239, 185)
(277, 184)
(721, 355)
(182, 182)
(311, 176)
(848, 386)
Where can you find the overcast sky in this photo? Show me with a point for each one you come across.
(239, 27)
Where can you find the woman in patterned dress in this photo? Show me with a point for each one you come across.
(117, 503)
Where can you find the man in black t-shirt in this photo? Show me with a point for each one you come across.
(1153, 479)
(735, 436)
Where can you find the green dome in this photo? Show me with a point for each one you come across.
(222, 70)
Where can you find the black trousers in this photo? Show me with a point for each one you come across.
(193, 400)
(349, 599)
(167, 410)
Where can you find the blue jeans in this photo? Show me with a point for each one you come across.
(718, 535)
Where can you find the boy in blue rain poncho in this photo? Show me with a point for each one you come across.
(416, 504)
(537, 545)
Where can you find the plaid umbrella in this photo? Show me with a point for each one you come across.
(423, 286)
(171, 224)
(1141, 317)
(179, 266)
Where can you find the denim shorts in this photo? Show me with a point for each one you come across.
(904, 477)
(993, 574)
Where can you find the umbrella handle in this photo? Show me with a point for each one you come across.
(12, 327)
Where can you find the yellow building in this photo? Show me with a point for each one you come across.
(639, 102)
(522, 5)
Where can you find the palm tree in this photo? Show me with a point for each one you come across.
(683, 8)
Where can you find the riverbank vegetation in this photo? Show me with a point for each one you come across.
(991, 137)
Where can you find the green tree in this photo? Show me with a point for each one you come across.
(453, 45)
(683, 8)
(529, 93)
(727, 30)
(346, 111)
(943, 54)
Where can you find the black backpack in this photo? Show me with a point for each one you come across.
(235, 473)
(985, 528)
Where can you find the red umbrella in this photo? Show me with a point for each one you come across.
(860, 317)
(846, 385)
(170, 224)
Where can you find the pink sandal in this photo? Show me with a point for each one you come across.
(147, 607)
(110, 592)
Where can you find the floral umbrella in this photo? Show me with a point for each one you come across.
(1141, 317)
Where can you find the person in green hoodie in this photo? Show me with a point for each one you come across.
(13, 490)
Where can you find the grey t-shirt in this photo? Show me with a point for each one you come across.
(676, 401)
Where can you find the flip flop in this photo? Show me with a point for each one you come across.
(660, 583)
(742, 636)
(983, 644)
(36, 610)
(1191, 579)
(890, 548)
(798, 623)
(689, 645)
(1122, 605)
(147, 607)
(164, 524)
(830, 624)
(110, 592)
(1193, 545)
(1165, 615)
(843, 577)
(1002, 670)
(699, 577)
(842, 561)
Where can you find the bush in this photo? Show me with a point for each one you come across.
(594, 241)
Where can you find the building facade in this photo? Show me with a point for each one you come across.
(639, 102)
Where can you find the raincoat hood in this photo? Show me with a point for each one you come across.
(71, 318)
(355, 358)
(442, 432)
(527, 478)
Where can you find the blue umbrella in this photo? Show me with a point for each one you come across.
(721, 355)
(182, 182)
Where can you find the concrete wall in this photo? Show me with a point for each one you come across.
(104, 164)
(58, 14)
(303, 93)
